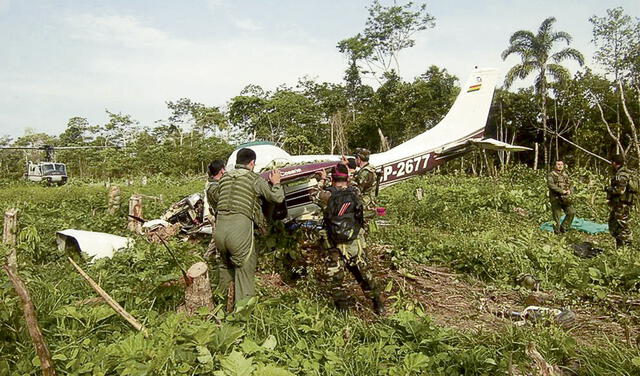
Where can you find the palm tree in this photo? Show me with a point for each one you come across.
(536, 52)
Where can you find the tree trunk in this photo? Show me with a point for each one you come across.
(135, 209)
(632, 124)
(555, 114)
(501, 137)
(543, 90)
(513, 139)
(9, 236)
(30, 316)
(198, 291)
(113, 205)
(535, 159)
(384, 144)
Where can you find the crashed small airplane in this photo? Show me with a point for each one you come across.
(459, 132)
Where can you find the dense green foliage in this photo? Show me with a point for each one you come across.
(499, 220)
(466, 223)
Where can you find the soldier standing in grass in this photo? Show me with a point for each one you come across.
(620, 195)
(215, 172)
(237, 202)
(344, 240)
(559, 192)
(365, 179)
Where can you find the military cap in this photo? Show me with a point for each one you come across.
(362, 153)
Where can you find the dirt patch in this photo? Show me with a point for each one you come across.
(464, 303)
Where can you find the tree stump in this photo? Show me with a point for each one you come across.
(114, 200)
(9, 236)
(198, 292)
(135, 209)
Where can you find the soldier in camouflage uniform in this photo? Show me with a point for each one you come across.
(559, 192)
(351, 255)
(620, 201)
(215, 172)
(366, 179)
(237, 202)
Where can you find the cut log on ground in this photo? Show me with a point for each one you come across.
(107, 298)
(46, 364)
(135, 209)
(114, 200)
(9, 236)
(198, 292)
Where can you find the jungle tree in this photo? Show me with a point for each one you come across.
(537, 56)
(617, 37)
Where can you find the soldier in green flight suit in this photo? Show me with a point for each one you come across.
(559, 192)
(215, 172)
(237, 202)
(366, 179)
(620, 201)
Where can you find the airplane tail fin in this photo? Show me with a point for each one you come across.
(466, 119)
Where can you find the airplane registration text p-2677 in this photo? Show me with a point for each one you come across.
(404, 168)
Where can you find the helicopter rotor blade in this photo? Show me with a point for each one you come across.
(83, 147)
(21, 147)
(55, 147)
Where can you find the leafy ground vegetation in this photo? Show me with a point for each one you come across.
(448, 264)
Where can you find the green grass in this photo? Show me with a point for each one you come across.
(468, 224)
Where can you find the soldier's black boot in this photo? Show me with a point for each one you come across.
(342, 304)
(378, 305)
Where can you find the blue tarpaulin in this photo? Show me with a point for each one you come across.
(580, 225)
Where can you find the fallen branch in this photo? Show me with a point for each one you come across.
(110, 301)
(433, 271)
(620, 300)
(46, 364)
(583, 149)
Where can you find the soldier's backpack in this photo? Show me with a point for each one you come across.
(344, 215)
(633, 188)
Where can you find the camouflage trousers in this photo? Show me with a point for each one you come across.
(620, 224)
(352, 257)
(557, 207)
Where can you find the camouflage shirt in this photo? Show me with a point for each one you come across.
(365, 180)
(617, 190)
(558, 183)
(208, 196)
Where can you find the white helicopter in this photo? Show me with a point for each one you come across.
(48, 171)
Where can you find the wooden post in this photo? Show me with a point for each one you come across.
(135, 209)
(114, 200)
(110, 301)
(9, 236)
(46, 364)
(198, 292)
